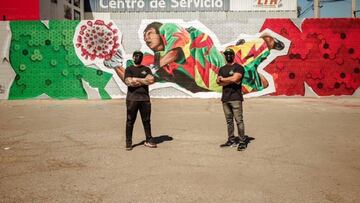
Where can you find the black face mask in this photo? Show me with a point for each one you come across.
(229, 57)
(138, 58)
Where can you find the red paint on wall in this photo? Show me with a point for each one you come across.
(325, 54)
(19, 10)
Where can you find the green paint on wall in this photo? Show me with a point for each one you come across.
(45, 61)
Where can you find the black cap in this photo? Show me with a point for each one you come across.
(229, 51)
(137, 52)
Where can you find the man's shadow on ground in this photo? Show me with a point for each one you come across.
(248, 140)
(159, 139)
(163, 138)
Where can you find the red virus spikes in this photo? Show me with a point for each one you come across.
(97, 40)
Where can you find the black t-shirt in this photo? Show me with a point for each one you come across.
(140, 93)
(231, 92)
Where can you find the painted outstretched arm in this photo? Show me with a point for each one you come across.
(116, 63)
(169, 57)
(236, 78)
(120, 71)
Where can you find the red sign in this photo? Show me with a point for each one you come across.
(267, 3)
(19, 10)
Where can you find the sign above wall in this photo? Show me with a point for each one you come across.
(116, 6)
(267, 3)
(263, 5)
(158, 5)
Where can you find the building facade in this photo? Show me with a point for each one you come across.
(62, 9)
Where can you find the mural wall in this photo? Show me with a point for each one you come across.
(77, 59)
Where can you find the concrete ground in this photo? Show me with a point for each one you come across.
(304, 150)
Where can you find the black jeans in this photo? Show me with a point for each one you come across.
(132, 107)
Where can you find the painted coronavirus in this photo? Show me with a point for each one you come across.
(97, 39)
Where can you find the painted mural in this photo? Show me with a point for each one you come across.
(45, 62)
(324, 54)
(189, 55)
(77, 59)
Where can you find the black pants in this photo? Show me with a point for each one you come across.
(132, 108)
(234, 109)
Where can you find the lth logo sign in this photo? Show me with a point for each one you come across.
(267, 3)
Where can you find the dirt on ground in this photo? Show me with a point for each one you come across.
(302, 150)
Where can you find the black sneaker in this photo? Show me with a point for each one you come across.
(229, 143)
(128, 146)
(241, 146)
(150, 143)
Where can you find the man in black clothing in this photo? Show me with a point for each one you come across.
(138, 78)
(230, 77)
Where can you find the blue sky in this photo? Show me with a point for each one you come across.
(331, 9)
